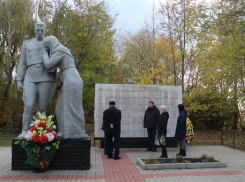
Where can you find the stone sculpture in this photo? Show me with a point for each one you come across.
(69, 108)
(38, 81)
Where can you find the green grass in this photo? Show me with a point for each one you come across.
(199, 142)
(5, 143)
(208, 137)
(6, 139)
(90, 131)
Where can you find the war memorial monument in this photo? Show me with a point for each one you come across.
(36, 74)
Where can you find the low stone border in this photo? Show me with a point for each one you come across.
(180, 165)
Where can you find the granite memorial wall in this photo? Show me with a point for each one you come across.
(133, 100)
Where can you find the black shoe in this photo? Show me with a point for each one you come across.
(184, 153)
(148, 149)
(117, 158)
(180, 153)
(110, 156)
(154, 150)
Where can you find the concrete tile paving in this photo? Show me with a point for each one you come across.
(126, 169)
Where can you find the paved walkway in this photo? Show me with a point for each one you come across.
(126, 169)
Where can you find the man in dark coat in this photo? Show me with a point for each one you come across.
(180, 132)
(112, 127)
(152, 114)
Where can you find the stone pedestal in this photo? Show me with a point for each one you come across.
(74, 154)
(140, 143)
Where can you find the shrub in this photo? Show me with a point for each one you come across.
(178, 159)
(204, 157)
(151, 160)
(207, 158)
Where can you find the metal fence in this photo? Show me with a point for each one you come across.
(230, 138)
(234, 139)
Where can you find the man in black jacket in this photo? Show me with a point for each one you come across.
(112, 127)
(152, 114)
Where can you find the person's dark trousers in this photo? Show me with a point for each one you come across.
(151, 137)
(105, 143)
(116, 144)
(105, 147)
(164, 152)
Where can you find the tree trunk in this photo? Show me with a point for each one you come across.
(9, 74)
(18, 109)
(172, 46)
(236, 109)
(183, 53)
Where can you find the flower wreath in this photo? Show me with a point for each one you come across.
(189, 130)
(39, 140)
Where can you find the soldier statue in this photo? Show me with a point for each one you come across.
(37, 80)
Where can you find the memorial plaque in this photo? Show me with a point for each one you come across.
(133, 100)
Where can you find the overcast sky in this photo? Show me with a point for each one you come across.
(132, 13)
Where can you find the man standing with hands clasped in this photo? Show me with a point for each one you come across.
(112, 127)
(152, 114)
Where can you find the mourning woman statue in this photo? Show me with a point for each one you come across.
(69, 108)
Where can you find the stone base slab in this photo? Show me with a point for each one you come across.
(139, 143)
